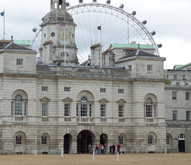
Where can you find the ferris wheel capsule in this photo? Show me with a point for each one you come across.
(134, 13)
(121, 6)
(94, 0)
(108, 2)
(144, 22)
(80, 1)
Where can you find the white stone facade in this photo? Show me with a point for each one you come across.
(49, 106)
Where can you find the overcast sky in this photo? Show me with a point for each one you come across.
(171, 19)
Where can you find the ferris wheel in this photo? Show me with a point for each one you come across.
(117, 26)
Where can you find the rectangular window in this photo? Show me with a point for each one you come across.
(183, 77)
(120, 90)
(19, 61)
(102, 110)
(174, 95)
(187, 115)
(44, 88)
(174, 77)
(177, 83)
(187, 95)
(44, 109)
(102, 90)
(149, 68)
(66, 109)
(174, 115)
(120, 111)
(67, 89)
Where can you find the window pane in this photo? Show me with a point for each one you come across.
(187, 115)
(18, 105)
(67, 89)
(102, 110)
(44, 140)
(44, 109)
(149, 109)
(174, 115)
(66, 109)
(19, 139)
(120, 111)
(150, 139)
(84, 107)
(120, 139)
(187, 95)
(19, 61)
(174, 95)
(44, 88)
(102, 90)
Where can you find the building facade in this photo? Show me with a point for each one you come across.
(57, 104)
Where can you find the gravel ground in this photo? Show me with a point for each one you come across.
(84, 159)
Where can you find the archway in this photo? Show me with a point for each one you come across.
(67, 143)
(84, 139)
(103, 139)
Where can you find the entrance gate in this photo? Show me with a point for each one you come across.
(84, 139)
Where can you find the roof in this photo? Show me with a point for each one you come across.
(7, 44)
(178, 66)
(132, 46)
(22, 42)
(138, 53)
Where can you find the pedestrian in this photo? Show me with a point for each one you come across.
(114, 149)
(118, 148)
(105, 147)
(89, 148)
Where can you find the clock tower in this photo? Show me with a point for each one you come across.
(58, 36)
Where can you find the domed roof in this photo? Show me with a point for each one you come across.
(57, 16)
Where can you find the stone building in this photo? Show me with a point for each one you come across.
(58, 104)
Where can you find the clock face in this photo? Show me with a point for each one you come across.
(64, 34)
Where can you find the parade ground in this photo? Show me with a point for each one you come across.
(85, 159)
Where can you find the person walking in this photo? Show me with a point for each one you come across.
(118, 148)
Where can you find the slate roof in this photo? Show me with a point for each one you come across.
(138, 53)
(7, 45)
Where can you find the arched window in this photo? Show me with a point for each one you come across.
(19, 139)
(18, 105)
(120, 139)
(44, 139)
(150, 103)
(149, 111)
(84, 106)
(150, 139)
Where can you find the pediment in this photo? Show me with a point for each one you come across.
(45, 99)
(121, 101)
(67, 99)
(103, 100)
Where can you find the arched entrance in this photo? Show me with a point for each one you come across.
(84, 139)
(181, 143)
(67, 143)
(103, 139)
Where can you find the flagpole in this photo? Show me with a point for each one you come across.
(101, 62)
(4, 27)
